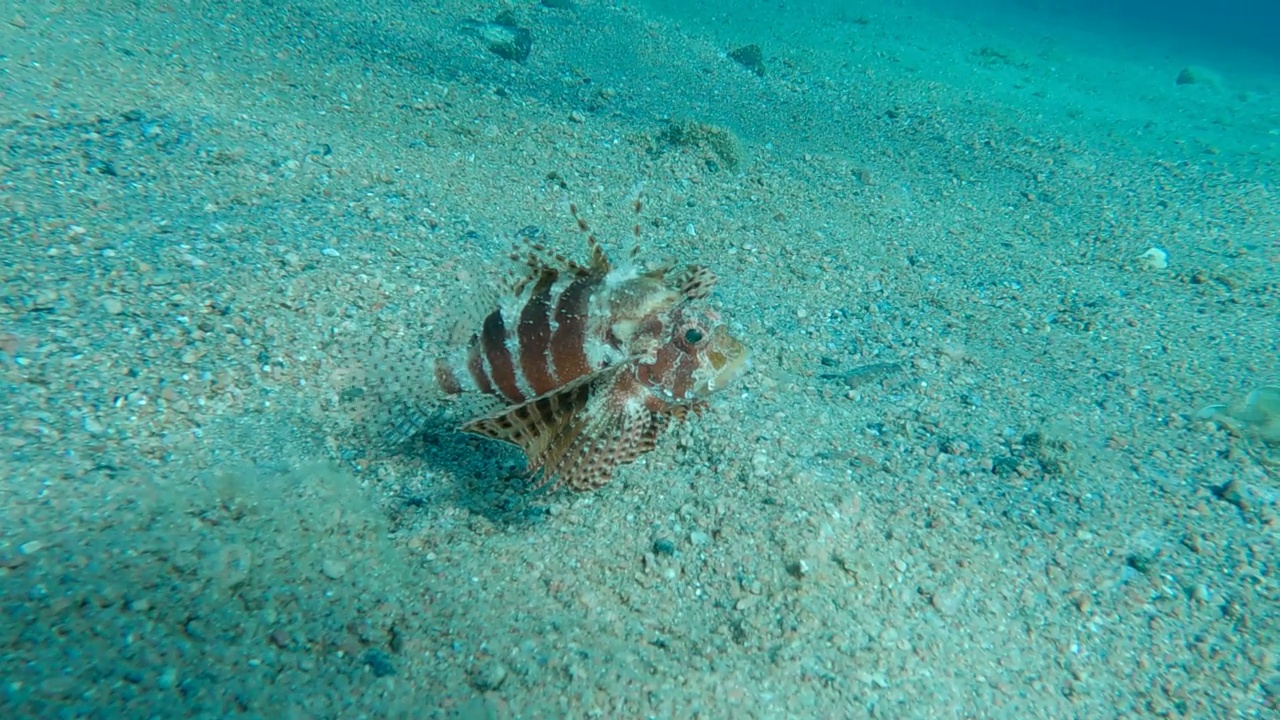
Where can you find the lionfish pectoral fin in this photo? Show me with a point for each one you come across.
(543, 424)
(577, 435)
(610, 432)
(695, 282)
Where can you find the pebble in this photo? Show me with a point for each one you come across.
(488, 676)
(113, 306)
(333, 569)
(168, 678)
(93, 426)
(46, 297)
(664, 546)
(380, 663)
(31, 547)
(947, 600)
(1200, 593)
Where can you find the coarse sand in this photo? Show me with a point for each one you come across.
(970, 475)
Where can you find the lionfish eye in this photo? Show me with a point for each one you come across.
(693, 336)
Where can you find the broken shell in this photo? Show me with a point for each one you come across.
(1154, 259)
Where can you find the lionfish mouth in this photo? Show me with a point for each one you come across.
(728, 359)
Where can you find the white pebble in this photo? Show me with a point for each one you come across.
(333, 569)
(1154, 259)
(330, 252)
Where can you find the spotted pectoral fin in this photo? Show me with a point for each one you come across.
(612, 431)
(694, 282)
(537, 426)
(578, 434)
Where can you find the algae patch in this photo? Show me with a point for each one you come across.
(722, 142)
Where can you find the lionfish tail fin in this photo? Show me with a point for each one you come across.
(392, 396)
(386, 396)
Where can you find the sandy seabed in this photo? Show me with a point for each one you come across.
(969, 475)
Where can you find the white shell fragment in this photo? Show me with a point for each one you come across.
(1154, 259)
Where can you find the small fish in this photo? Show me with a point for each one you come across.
(583, 366)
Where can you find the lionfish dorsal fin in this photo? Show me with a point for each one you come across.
(659, 272)
(538, 259)
(599, 261)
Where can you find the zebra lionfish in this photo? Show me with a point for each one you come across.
(585, 365)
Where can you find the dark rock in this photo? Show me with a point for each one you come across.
(1004, 466)
(380, 663)
(505, 38)
(750, 57)
(664, 546)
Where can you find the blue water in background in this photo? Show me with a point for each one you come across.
(1103, 72)
(1222, 30)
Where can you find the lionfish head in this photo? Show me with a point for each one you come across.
(697, 358)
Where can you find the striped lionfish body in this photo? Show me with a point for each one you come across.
(588, 363)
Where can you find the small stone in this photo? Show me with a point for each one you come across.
(380, 663)
(664, 546)
(1236, 493)
(1200, 593)
(948, 600)
(504, 38)
(330, 252)
(1195, 75)
(31, 547)
(699, 538)
(113, 306)
(93, 426)
(46, 297)
(168, 678)
(333, 569)
(799, 569)
(488, 676)
(750, 57)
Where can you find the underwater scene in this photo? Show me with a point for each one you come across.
(488, 360)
